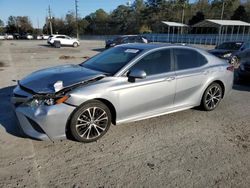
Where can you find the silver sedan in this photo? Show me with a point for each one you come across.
(124, 84)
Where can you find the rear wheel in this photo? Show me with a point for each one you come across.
(211, 97)
(90, 122)
(75, 44)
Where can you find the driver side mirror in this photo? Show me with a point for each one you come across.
(136, 74)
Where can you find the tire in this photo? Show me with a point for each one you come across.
(87, 128)
(212, 97)
(57, 44)
(75, 44)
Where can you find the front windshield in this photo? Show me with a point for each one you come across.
(230, 46)
(112, 60)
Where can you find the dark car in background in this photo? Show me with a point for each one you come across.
(243, 59)
(125, 39)
(230, 50)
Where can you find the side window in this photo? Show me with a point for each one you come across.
(139, 39)
(60, 37)
(245, 54)
(155, 63)
(132, 40)
(247, 45)
(187, 58)
(125, 40)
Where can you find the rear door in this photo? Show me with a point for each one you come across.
(191, 75)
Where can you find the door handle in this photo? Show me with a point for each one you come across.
(170, 78)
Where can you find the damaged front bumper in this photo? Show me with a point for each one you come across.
(42, 122)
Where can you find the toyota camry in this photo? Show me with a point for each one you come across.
(124, 84)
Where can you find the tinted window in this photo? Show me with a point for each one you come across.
(187, 58)
(230, 46)
(112, 60)
(60, 37)
(245, 54)
(139, 39)
(131, 39)
(155, 63)
(245, 46)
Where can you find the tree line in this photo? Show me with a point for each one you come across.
(138, 17)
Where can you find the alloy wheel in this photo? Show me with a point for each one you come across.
(213, 97)
(92, 123)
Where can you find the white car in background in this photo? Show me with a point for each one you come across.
(63, 40)
(39, 37)
(2, 37)
(29, 37)
(9, 36)
(45, 37)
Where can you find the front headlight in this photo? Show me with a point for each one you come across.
(35, 102)
(227, 55)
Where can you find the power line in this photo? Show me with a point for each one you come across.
(222, 11)
(77, 29)
(50, 23)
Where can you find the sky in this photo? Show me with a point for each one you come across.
(37, 10)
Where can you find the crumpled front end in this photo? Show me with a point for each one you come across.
(40, 121)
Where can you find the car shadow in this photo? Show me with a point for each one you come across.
(242, 86)
(99, 49)
(8, 119)
(46, 45)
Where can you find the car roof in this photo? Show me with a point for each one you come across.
(58, 35)
(124, 36)
(233, 42)
(143, 46)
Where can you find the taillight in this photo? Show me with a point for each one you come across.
(230, 68)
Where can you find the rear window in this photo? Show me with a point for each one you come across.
(188, 58)
(230, 46)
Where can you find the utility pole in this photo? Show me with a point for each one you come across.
(50, 23)
(77, 26)
(222, 11)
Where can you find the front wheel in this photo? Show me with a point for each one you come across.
(211, 97)
(90, 122)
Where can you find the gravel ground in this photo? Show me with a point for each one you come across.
(186, 149)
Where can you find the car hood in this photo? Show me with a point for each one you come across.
(43, 81)
(220, 52)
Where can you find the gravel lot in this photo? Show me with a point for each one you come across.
(186, 149)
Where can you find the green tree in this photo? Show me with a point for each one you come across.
(240, 14)
(199, 16)
(1, 26)
(12, 25)
(24, 24)
(19, 24)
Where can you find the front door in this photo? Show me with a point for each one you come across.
(151, 95)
